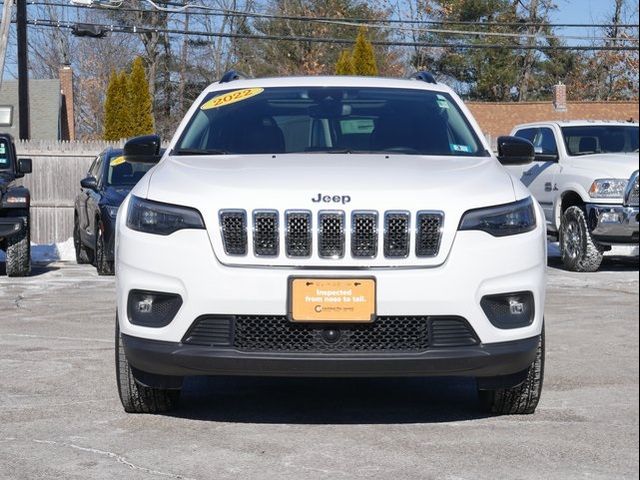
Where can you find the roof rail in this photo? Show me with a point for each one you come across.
(423, 77)
(232, 75)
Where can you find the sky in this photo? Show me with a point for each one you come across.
(584, 11)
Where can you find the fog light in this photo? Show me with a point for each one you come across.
(516, 307)
(509, 310)
(609, 217)
(152, 309)
(145, 306)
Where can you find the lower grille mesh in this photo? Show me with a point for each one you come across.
(386, 335)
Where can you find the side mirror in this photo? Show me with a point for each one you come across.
(90, 183)
(144, 149)
(25, 166)
(515, 151)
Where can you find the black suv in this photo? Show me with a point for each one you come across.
(15, 238)
(109, 180)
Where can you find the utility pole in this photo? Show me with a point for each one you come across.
(23, 70)
(5, 21)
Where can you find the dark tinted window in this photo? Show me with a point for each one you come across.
(588, 139)
(543, 139)
(123, 173)
(5, 160)
(317, 119)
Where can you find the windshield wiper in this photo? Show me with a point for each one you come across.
(197, 151)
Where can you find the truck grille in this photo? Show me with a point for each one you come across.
(233, 224)
(631, 194)
(300, 233)
(277, 334)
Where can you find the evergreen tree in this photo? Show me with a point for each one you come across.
(345, 66)
(139, 103)
(115, 108)
(364, 58)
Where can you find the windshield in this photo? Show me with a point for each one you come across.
(5, 161)
(587, 140)
(328, 119)
(125, 173)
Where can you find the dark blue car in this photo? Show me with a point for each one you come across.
(109, 180)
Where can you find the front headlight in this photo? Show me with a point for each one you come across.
(502, 220)
(161, 218)
(608, 188)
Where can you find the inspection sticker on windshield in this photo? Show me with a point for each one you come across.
(442, 102)
(231, 97)
(117, 161)
(460, 148)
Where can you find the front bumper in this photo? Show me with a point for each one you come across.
(613, 224)
(11, 226)
(177, 359)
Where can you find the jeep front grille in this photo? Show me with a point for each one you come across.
(331, 234)
(266, 233)
(233, 224)
(403, 233)
(396, 234)
(428, 231)
(364, 234)
(298, 234)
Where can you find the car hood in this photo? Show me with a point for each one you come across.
(607, 165)
(380, 183)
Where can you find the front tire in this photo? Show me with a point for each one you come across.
(84, 256)
(19, 252)
(580, 253)
(104, 266)
(523, 398)
(134, 397)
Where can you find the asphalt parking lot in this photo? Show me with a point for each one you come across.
(60, 416)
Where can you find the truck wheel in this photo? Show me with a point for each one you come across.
(103, 266)
(19, 253)
(83, 254)
(136, 398)
(579, 252)
(523, 398)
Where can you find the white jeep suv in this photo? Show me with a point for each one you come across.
(330, 227)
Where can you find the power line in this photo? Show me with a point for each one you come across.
(376, 25)
(135, 29)
(220, 12)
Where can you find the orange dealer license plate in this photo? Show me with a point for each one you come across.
(332, 300)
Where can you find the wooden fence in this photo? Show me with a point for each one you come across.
(58, 168)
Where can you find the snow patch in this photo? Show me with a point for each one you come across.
(50, 252)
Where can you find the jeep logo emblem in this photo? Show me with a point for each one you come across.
(343, 199)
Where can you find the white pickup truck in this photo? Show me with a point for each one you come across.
(585, 176)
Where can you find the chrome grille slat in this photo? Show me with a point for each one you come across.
(331, 234)
(233, 224)
(396, 234)
(428, 233)
(298, 233)
(364, 234)
(266, 232)
(632, 192)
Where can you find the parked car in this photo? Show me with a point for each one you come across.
(331, 227)
(15, 200)
(109, 180)
(585, 176)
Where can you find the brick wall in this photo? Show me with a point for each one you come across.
(499, 118)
